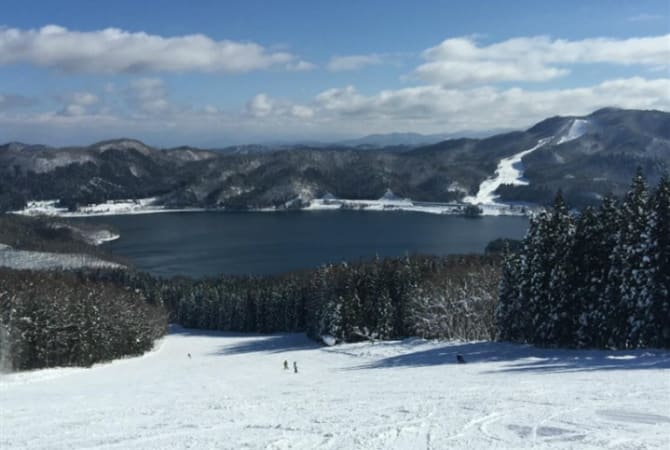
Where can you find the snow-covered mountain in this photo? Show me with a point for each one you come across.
(394, 140)
(586, 157)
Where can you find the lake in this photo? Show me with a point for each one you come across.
(210, 243)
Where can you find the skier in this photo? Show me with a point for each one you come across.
(460, 359)
(189, 355)
(295, 367)
(285, 365)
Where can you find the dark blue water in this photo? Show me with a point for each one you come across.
(210, 243)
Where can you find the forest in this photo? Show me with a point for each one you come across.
(596, 278)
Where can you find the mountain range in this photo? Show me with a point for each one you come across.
(586, 157)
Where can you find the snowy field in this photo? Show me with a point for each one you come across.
(27, 259)
(234, 394)
(145, 206)
(110, 208)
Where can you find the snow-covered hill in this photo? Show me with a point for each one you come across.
(233, 393)
(32, 260)
(509, 171)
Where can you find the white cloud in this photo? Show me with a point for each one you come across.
(117, 51)
(150, 96)
(434, 108)
(338, 112)
(300, 66)
(461, 62)
(645, 17)
(353, 62)
(302, 112)
(263, 106)
(260, 106)
(333, 113)
(77, 103)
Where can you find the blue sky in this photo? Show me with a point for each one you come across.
(213, 73)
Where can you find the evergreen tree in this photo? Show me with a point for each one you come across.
(561, 322)
(510, 315)
(603, 318)
(527, 270)
(588, 265)
(632, 263)
(654, 308)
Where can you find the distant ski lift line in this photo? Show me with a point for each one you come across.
(510, 169)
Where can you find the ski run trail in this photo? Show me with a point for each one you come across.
(233, 393)
(510, 169)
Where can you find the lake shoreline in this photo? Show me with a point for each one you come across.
(149, 206)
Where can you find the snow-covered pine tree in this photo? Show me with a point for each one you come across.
(559, 323)
(383, 328)
(588, 266)
(510, 315)
(525, 310)
(629, 266)
(405, 281)
(604, 318)
(654, 309)
(321, 309)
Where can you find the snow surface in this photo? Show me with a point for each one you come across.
(411, 206)
(577, 129)
(233, 393)
(110, 208)
(149, 206)
(509, 171)
(26, 259)
(99, 237)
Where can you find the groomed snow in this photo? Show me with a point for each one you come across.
(233, 393)
(577, 129)
(509, 171)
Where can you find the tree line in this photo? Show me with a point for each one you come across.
(60, 319)
(597, 279)
(377, 299)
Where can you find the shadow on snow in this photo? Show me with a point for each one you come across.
(253, 342)
(526, 358)
(511, 357)
(276, 343)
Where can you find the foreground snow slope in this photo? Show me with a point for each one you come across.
(233, 393)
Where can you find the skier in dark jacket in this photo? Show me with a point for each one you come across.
(295, 367)
(285, 365)
(460, 359)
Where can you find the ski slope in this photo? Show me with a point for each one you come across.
(577, 129)
(234, 394)
(509, 171)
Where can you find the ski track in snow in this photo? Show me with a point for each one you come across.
(233, 394)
